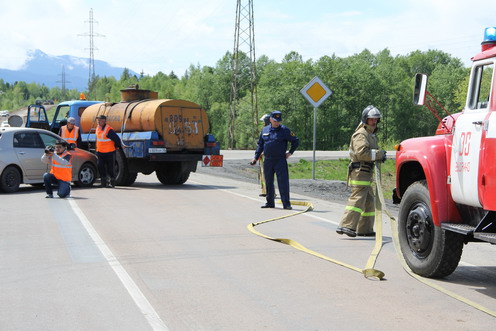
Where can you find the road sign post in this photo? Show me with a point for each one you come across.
(315, 92)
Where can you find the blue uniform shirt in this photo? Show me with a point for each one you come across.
(273, 142)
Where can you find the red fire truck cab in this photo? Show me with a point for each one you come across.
(446, 183)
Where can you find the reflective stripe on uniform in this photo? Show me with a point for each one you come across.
(361, 182)
(61, 166)
(358, 210)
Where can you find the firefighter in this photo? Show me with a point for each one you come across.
(358, 218)
(71, 132)
(107, 142)
(61, 171)
(261, 177)
(273, 143)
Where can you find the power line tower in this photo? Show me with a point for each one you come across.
(243, 62)
(91, 34)
(63, 83)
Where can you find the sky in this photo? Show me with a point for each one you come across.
(170, 35)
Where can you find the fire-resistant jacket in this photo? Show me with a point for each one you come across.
(364, 150)
(61, 165)
(104, 143)
(363, 145)
(70, 136)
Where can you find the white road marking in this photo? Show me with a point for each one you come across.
(260, 200)
(139, 298)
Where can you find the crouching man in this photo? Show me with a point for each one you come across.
(61, 173)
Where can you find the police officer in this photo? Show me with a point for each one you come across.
(358, 218)
(71, 132)
(61, 170)
(273, 143)
(107, 142)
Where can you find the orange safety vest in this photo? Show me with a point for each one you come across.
(103, 143)
(62, 172)
(69, 136)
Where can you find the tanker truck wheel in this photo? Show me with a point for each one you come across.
(122, 175)
(428, 250)
(172, 174)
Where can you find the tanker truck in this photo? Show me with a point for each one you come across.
(164, 136)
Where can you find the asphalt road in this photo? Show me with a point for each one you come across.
(180, 258)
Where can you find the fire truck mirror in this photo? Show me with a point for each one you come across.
(420, 89)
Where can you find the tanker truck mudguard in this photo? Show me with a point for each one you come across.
(446, 184)
(164, 136)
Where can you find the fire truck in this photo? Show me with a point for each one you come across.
(446, 183)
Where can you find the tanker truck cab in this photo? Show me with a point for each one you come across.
(447, 183)
(37, 116)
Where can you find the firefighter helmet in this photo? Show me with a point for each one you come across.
(371, 112)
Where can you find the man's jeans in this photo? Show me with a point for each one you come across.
(64, 187)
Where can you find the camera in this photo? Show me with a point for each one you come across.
(49, 149)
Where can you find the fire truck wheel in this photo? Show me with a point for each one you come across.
(428, 250)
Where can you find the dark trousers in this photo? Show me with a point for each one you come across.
(106, 163)
(278, 166)
(64, 188)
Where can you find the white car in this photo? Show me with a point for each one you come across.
(20, 159)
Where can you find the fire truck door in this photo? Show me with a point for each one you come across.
(486, 167)
(465, 157)
(468, 133)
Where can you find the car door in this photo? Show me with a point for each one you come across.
(29, 148)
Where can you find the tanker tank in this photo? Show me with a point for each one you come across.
(181, 124)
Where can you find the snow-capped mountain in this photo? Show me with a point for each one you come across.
(47, 69)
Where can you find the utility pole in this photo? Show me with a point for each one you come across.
(91, 34)
(243, 60)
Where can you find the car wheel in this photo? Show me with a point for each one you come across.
(10, 179)
(86, 175)
(428, 250)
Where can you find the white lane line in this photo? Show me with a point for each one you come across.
(260, 200)
(139, 298)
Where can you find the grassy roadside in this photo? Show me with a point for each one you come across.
(338, 170)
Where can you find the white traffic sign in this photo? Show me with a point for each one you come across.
(316, 92)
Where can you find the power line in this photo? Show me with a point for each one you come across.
(63, 83)
(91, 34)
(244, 47)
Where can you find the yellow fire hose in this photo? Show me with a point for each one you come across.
(368, 271)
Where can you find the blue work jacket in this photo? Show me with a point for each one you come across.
(273, 142)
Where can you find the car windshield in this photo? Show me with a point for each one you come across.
(48, 139)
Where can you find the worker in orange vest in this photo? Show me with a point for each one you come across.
(71, 132)
(61, 172)
(107, 142)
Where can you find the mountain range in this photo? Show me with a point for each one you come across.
(47, 69)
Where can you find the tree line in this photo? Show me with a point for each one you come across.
(380, 79)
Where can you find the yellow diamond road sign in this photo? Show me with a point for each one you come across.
(316, 92)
